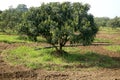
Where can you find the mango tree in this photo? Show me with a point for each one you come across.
(60, 23)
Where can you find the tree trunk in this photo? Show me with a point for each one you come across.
(60, 49)
(55, 47)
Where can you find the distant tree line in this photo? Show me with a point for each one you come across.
(107, 22)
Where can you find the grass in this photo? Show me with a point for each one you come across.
(30, 57)
(115, 48)
(103, 40)
(11, 39)
(45, 59)
(17, 39)
(109, 30)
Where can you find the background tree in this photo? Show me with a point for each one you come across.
(22, 8)
(101, 21)
(9, 19)
(114, 23)
(107, 22)
(59, 23)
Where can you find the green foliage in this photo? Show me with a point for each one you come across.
(101, 21)
(107, 22)
(45, 59)
(10, 18)
(114, 23)
(59, 23)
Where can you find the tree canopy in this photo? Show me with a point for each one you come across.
(60, 23)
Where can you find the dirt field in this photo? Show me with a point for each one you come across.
(9, 72)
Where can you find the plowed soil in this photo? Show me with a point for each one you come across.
(9, 72)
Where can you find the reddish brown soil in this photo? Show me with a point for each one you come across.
(9, 72)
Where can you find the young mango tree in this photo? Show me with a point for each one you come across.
(60, 23)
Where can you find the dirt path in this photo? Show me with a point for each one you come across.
(9, 72)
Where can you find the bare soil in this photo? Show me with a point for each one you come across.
(10, 72)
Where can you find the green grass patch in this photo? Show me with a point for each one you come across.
(45, 59)
(109, 30)
(18, 39)
(30, 57)
(115, 48)
(11, 39)
(103, 40)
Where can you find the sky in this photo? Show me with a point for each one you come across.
(99, 8)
